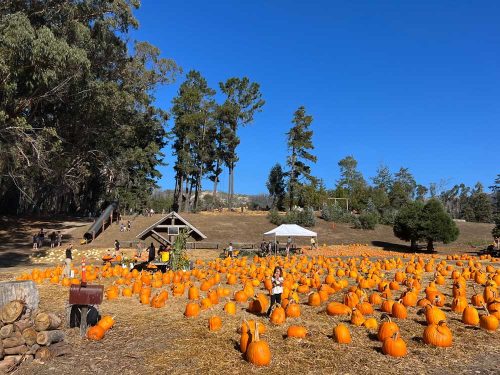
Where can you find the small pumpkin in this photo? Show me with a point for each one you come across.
(371, 323)
(192, 310)
(488, 321)
(96, 333)
(214, 323)
(106, 322)
(387, 329)
(293, 309)
(296, 331)
(357, 317)
(470, 316)
(399, 310)
(438, 335)
(394, 346)
(278, 315)
(230, 308)
(258, 352)
(341, 334)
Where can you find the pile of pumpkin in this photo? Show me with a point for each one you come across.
(317, 279)
(98, 331)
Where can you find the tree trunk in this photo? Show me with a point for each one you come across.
(214, 192)
(291, 181)
(45, 322)
(19, 290)
(179, 197)
(430, 245)
(49, 337)
(413, 245)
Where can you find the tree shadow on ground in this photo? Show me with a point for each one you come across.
(399, 248)
(13, 259)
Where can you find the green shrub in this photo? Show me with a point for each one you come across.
(336, 213)
(388, 216)
(275, 217)
(305, 218)
(367, 220)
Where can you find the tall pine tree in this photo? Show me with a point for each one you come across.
(299, 145)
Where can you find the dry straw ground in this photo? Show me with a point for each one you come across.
(148, 340)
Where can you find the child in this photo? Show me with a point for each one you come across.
(277, 289)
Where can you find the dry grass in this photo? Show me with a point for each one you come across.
(147, 340)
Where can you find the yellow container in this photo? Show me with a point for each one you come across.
(165, 256)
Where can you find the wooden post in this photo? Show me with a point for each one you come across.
(83, 321)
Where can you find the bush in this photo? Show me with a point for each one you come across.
(275, 217)
(305, 218)
(388, 216)
(336, 213)
(367, 220)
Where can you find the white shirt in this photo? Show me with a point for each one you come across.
(277, 285)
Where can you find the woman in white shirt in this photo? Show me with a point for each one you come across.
(277, 281)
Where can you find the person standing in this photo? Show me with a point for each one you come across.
(52, 239)
(41, 237)
(313, 243)
(152, 253)
(67, 261)
(35, 241)
(230, 250)
(129, 225)
(277, 288)
(117, 247)
(59, 238)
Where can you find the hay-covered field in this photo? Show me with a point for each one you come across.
(162, 340)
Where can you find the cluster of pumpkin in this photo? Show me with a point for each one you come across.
(98, 331)
(373, 285)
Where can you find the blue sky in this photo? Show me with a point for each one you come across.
(400, 83)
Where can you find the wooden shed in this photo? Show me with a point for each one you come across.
(165, 230)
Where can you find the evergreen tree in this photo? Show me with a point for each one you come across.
(352, 184)
(436, 225)
(496, 194)
(421, 191)
(403, 188)
(407, 224)
(383, 179)
(481, 205)
(276, 186)
(193, 132)
(299, 141)
(243, 99)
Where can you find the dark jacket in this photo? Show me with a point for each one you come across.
(151, 253)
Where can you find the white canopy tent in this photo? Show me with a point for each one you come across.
(290, 230)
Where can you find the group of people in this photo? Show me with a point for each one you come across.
(125, 227)
(149, 254)
(39, 239)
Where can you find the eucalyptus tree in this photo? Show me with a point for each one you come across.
(242, 100)
(193, 125)
(77, 121)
